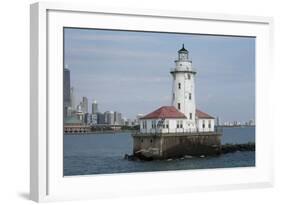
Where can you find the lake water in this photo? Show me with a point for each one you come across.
(86, 154)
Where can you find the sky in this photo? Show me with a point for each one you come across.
(129, 72)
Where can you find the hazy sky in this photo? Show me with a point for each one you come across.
(129, 71)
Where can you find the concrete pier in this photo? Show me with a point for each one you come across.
(174, 145)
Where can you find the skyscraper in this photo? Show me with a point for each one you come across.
(85, 105)
(109, 117)
(72, 98)
(101, 118)
(66, 90)
(95, 107)
(117, 118)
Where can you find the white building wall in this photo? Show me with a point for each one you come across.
(174, 126)
(206, 128)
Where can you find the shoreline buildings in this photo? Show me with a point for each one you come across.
(179, 129)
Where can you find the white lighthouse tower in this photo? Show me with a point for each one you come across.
(183, 88)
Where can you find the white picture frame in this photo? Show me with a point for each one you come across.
(46, 175)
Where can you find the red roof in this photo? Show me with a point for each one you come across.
(164, 112)
(204, 115)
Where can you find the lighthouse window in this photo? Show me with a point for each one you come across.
(173, 96)
(190, 116)
(189, 96)
(188, 76)
(179, 106)
(179, 85)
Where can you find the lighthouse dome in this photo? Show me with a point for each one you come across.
(183, 50)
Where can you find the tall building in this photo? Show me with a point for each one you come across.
(95, 107)
(85, 105)
(109, 117)
(72, 98)
(117, 118)
(66, 90)
(100, 118)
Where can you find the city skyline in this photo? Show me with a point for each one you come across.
(124, 70)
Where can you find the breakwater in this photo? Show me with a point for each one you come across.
(229, 148)
(224, 149)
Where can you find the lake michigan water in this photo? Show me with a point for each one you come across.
(86, 154)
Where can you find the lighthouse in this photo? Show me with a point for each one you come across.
(178, 129)
(183, 88)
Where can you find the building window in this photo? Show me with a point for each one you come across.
(167, 124)
(188, 76)
(153, 124)
(190, 116)
(144, 124)
(179, 106)
(203, 125)
(189, 96)
(151, 141)
(179, 124)
(209, 124)
(179, 85)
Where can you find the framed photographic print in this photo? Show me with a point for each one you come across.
(149, 101)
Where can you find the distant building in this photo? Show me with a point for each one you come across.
(251, 123)
(66, 90)
(85, 105)
(74, 125)
(100, 118)
(95, 107)
(72, 98)
(218, 121)
(117, 118)
(91, 119)
(129, 122)
(109, 117)
(79, 113)
(123, 121)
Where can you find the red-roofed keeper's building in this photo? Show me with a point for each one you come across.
(168, 119)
